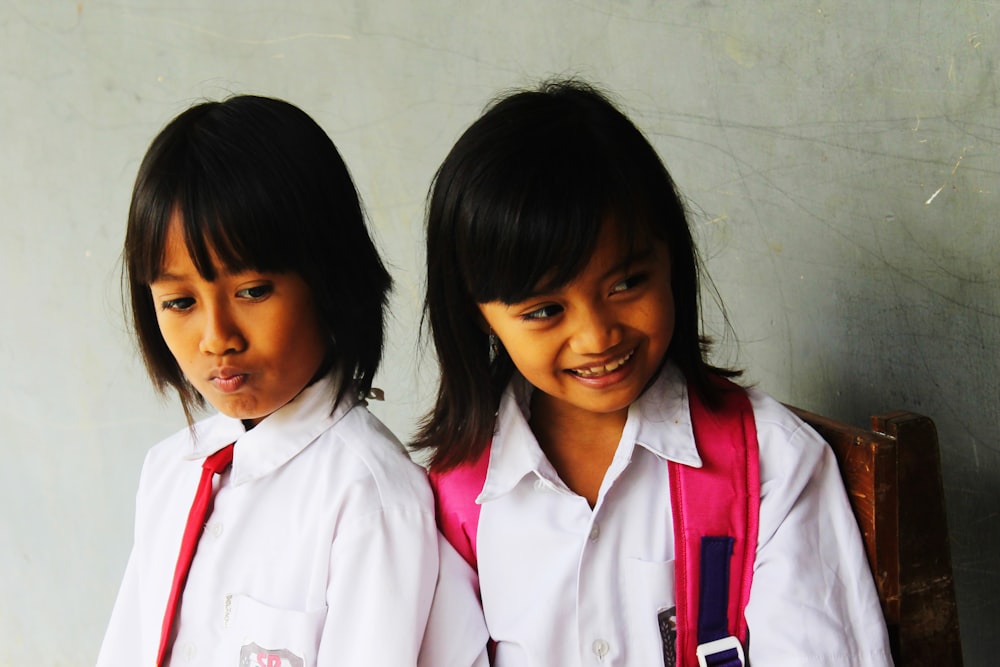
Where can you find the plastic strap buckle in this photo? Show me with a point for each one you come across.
(714, 648)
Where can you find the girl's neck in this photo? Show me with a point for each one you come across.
(579, 444)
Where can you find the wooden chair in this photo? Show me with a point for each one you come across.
(893, 477)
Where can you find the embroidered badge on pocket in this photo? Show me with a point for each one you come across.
(252, 655)
(668, 633)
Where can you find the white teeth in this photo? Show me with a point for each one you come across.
(597, 371)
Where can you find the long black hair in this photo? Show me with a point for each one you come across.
(258, 182)
(519, 202)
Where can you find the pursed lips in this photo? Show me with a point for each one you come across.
(228, 379)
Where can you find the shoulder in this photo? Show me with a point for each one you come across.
(797, 467)
(367, 453)
(778, 425)
(781, 435)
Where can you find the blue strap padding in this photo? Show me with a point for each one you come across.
(728, 658)
(713, 606)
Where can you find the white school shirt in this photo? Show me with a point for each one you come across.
(563, 584)
(321, 548)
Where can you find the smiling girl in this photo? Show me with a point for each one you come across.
(575, 397)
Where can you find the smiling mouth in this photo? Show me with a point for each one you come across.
(604, 369)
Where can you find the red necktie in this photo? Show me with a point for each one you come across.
(213, 465)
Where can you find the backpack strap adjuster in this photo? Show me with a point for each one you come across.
(720, 653)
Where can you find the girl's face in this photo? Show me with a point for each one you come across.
(593, 345)
(248, 342)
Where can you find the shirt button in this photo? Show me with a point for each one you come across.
(595, 532)
(601, 648)
(189, 652)
(215, 528)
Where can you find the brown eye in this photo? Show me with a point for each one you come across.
(629, 283)
(255, 292)
(542, 313)
(177, 304)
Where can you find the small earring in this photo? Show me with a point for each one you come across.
(494, 347)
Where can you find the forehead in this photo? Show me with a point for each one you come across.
(179, 259)
(615, 248)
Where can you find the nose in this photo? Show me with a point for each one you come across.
(596, 330)
(220, 334)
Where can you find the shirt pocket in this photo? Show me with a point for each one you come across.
(649, 606)
(263, 636)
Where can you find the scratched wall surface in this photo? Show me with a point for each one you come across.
(841, 161)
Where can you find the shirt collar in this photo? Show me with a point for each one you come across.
(663, 416)
(659, 421)
(278, 437)
(514, 452)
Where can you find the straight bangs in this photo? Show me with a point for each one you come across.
(536, 227)
(228, 204)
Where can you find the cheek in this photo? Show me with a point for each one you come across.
(666, 322)
(306, 338)
(528, 353)
(168, 332)
(178, 337)
(669, 315)
(667, 326)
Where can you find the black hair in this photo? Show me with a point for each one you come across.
(518, 203)
(256, 181)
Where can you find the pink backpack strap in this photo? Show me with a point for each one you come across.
(455, 493)
(719, 501)
(716, 506)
